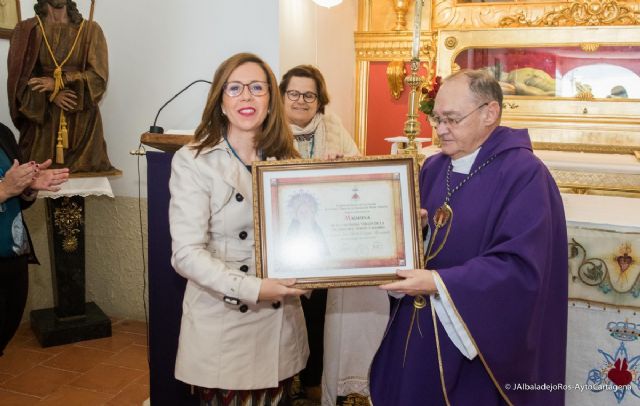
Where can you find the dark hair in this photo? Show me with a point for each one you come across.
(275, 140)
(72, 10)
(307, 71)
(483, 86)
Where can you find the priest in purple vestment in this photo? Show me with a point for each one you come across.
(486, 322)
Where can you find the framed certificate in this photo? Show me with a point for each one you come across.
(347, 222)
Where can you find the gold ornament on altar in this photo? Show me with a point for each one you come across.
(395, 77)
(451, 42)
(67, 220)
(355, 399)
(579, 13)
(400, 7)
(589, 46)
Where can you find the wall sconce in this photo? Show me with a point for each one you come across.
(327, 3)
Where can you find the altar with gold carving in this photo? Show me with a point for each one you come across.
(570, 73)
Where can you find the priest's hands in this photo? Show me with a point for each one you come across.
(415, 282)
(276, 289)
(423, 218)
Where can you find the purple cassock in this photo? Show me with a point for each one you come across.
(504, 266)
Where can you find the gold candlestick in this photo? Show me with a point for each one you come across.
(412, 125)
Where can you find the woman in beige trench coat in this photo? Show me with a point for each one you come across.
(240, 336)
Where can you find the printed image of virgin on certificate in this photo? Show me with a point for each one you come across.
(347, 222)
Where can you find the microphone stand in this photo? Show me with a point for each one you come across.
(159, 130)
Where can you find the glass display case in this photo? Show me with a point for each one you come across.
(575, 88)
(593, 72)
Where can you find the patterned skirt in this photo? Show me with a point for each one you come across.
(279, 396)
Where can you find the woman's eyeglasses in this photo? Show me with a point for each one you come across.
(308, 97)
(256, 88)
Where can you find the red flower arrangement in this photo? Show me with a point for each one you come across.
(428, 98)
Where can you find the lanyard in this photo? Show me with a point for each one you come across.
(238, 156)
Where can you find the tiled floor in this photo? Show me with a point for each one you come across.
(107, 371)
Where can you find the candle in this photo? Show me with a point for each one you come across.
(417, 22)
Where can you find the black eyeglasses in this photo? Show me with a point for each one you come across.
(435, 121)
(256, 88)
(308, 97)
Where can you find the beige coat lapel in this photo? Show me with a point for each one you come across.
(235, 174)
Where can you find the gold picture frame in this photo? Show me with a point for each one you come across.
(340, 223)
(9, 17)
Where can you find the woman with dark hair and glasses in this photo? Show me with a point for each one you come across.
(317, 134)
(355, 318)
(242, 338)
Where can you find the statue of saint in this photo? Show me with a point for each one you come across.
(58, 71)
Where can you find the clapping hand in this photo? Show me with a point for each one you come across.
(49, 179)
(18, 178)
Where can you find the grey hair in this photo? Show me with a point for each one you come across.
(483, 85)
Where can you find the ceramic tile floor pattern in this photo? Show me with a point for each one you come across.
(107, 371)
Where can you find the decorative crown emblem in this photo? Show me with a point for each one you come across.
(624, 330)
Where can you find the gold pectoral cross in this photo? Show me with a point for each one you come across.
(443, 217)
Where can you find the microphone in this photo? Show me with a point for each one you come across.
(154, 129)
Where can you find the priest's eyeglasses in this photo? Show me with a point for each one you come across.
(308, 97)
(256, 88)
(435, 121)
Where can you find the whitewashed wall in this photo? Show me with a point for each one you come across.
(155, 49)
(310, 34)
